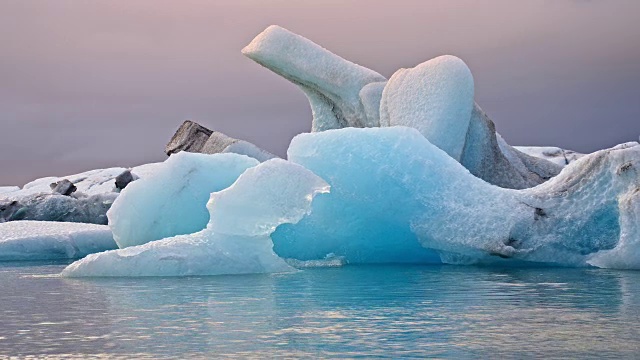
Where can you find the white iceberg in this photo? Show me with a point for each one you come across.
(43, 240)
(236, 240)
(171, 200)
(331, 83)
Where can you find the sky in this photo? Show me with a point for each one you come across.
(94, 84)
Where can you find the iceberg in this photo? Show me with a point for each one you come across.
(236, 239)
(415, 204)
(44, 240)
(172, 200)
(409, 170)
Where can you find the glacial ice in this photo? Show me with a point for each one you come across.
(171, 200)
(409, 170)
(331, 83)
(44, 240)
(236, 240)
(432, 198)
(435, 97)
(414, 204)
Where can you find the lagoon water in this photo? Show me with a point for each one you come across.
(353, 311)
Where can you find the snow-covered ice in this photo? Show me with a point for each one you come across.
(171, 200)
(95, 193)
(236, 240)
(8, 189)
(435, 97)
(44, 240)
(331, 83)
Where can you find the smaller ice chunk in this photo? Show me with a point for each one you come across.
(436, 98)
(236, 240)
(556, 155)
(172, 200)
(45, 240)
(221, 143)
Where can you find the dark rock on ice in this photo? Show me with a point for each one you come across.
(190, 136)
(63, 187)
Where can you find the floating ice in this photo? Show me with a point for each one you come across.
(435, 97)
(416, 192)
(236, 240)
(171, 201)
(43, 240)
(331, 83)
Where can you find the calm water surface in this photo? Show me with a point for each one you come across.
(354, 311)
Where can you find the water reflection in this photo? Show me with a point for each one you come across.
(443, 311)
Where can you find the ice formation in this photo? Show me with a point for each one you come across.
(331, 83)
(415, 204)
(416, 171)
(435, 97)
(172, 200)
(43, 240)
(236, 240)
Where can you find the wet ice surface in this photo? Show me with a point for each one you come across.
(395, 311)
